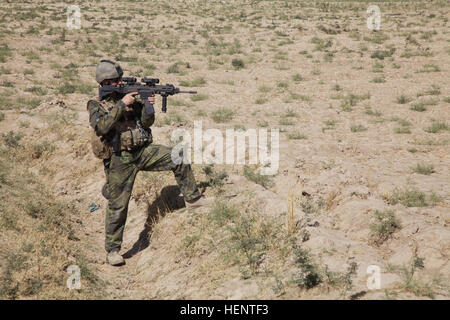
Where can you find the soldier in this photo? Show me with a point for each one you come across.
(123, 140)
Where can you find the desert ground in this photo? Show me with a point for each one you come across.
(364, 163)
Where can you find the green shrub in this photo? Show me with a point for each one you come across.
(197, 82)
(247, 241)
(418, 107)
(222, 115)
(11, 139)
(309, 274)
(378, 80)
(413, 198)
(286, 122)
(221, 213)
(385, 224)
(85, 88)
(437, 126)
(421, 105)
(261, 100)
(429, 68)
(39, 91)
(263, 124)
(40, 148)
(403, 99)
(199, 97)
(215, 179)
(422, 168)
(174, 68)
(328, 57)
(5, 52)
(402, 130)
(296, 136)
(67, 88)
(357, 128)
(7, 84)
(282, 84)
(252, 175)
(381, 54)
(297, 77)
(237, 64)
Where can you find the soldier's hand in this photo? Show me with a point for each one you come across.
(129, 99)
(151, 99)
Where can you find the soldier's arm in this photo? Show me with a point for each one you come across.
(103, 122)
(147, 118)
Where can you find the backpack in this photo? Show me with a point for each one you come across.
(101, 148)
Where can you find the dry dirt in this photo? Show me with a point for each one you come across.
(364, 126)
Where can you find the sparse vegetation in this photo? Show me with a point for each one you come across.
(421, 105)
(174, 68)
(411, 283)
(297, 77)
(296, 136)
(12, 139)
(199, 97)
(413, 198)
(255, 176)
(40, 148)
(378, 80)
(381, 54)
(429, 68)
(437, 126)
(384, 226)
(402, 130)
(215, 179)
(308, 275)
(5, 52)
(261, 100)
(222, 115)
(197, 82)
(34, 260)
(237, 64)
(357, 128)
(422, 168)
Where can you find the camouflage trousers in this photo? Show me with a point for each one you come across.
(121, 172)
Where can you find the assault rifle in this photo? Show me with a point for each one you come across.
(146, 89)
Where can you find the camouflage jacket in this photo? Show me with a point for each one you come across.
(105, 116)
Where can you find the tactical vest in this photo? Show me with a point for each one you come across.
(126, 134)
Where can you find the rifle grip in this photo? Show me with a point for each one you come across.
(164, 104)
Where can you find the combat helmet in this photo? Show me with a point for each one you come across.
(108, 69)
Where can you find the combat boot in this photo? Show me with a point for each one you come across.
(114, 258)
(201, 201)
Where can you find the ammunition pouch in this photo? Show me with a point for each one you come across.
(132, 139)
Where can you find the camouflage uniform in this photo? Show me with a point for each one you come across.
(121, 168)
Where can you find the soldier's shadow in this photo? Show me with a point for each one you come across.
(169, 200)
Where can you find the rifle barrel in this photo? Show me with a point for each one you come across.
(192, 92)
